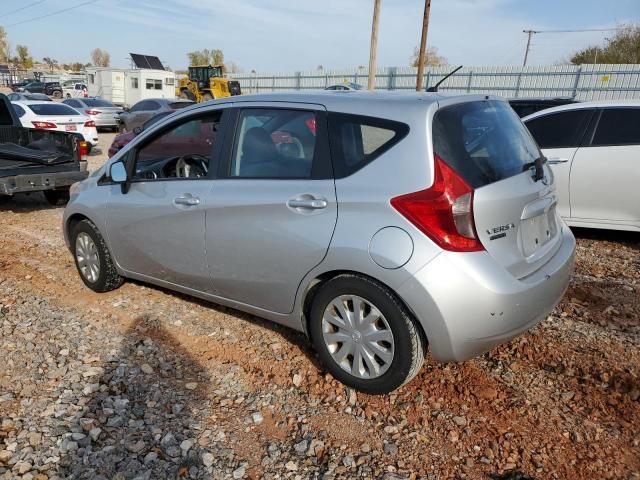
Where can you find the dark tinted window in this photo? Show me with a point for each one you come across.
(53, 109)
(19, 111)
(274, 143)
(357, 140)
(177, 105)
(559, 130)
(618, 126)
(97, 102)
(483, 141)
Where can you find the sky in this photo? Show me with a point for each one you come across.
(299, 35)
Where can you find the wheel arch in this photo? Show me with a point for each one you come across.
(70, 224)
(314, 285)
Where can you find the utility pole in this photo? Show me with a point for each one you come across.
(371, 83)
(423, 45)
(526, 52)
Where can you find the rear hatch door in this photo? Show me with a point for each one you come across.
(514, 199)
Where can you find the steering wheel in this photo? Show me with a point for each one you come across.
(192, 165)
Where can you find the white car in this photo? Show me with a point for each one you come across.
(74, 90)
(594, 152)
(56, 116)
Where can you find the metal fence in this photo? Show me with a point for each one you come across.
(583, 82)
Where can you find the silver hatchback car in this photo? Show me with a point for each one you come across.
(378, 224)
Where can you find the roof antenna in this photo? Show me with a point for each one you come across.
(435, 87)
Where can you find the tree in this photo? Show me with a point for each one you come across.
(623, 47)
(205, 57)
(24, 59)
(432, 58)
(4, 46)
(100, 58)
(51, 62)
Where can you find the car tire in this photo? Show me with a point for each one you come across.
(89, 248)
(57, 197)
(57, 94)
(207, 96)
(401, 353)
(187, 95)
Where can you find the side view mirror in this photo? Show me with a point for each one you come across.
(137, 130)
(118, 172)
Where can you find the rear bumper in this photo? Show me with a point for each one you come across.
(105, 122)
(467, 303)
(40, 181)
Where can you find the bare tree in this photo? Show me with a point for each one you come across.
(4, 46)
(51, 62)
(623, 47)
(100, 58)
(432, 59)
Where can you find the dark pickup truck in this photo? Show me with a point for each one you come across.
(38, 160)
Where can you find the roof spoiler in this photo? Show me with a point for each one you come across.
(435, 87)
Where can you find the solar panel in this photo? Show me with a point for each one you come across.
(146, 61)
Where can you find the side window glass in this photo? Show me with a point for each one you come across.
(357, 140)
(274, 143)
(618, 126)
(185, 150)
(138, 106)
(559, 130)
(19, 110)
(152, 106)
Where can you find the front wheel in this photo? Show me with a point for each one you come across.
(57, 94)
(93, 260)
(364, 335)
(57, 197)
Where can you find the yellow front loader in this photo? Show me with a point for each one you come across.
(206, 83)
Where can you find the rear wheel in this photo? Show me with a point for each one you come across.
(57, 197)
(207, 96)
(57, 94)
(186, 94)
(92, 257)
(364, 335)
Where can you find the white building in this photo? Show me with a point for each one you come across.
(127, 86)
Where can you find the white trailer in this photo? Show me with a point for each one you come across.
(127, 86)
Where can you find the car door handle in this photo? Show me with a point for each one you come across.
(187, 200)
(556, 160)
(312, 204)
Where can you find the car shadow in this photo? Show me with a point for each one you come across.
(292, 336)
(141, 407)
(630, 239)
(25, 202)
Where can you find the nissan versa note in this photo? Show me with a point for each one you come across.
(378, 224)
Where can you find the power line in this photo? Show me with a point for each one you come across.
(22, 8)
(52, 13)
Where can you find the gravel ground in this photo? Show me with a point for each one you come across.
(141, 383)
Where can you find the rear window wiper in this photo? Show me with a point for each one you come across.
(537, 164)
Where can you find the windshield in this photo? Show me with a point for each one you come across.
(97, 102)
(52, 109)
(483, 141)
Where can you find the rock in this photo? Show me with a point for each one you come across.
(301, 447)
(460, 421)
(94, 433)
(191, 385)
(150, 458)
(291, 466)
(239, 472)
(353, 397)
(23, 467)
(487, 393)
(257, 418)
(207, 459)
(390, 448)
(146, 368)
(186, 445)
(316, 448)
(35, 438)
(136, 447)
(453, 436)
(297, 379)
(168, 440)
(5, 456)
(348, 461)
(365, 448)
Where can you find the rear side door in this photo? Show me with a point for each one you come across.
(148, 109)
(605, 177)
(271, 217)
(559, 135)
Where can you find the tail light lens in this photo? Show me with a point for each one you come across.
(444, 211)
(90, 123)
(44, 125)
(83, 150)
(92, 112)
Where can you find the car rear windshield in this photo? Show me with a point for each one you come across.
(52, 109)
(177, 105)
(483, 141)
(96, 102)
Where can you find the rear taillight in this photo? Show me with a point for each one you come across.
(444, 211)
(90, 123)
(92, 112)
(83, 150)
(44, 125)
